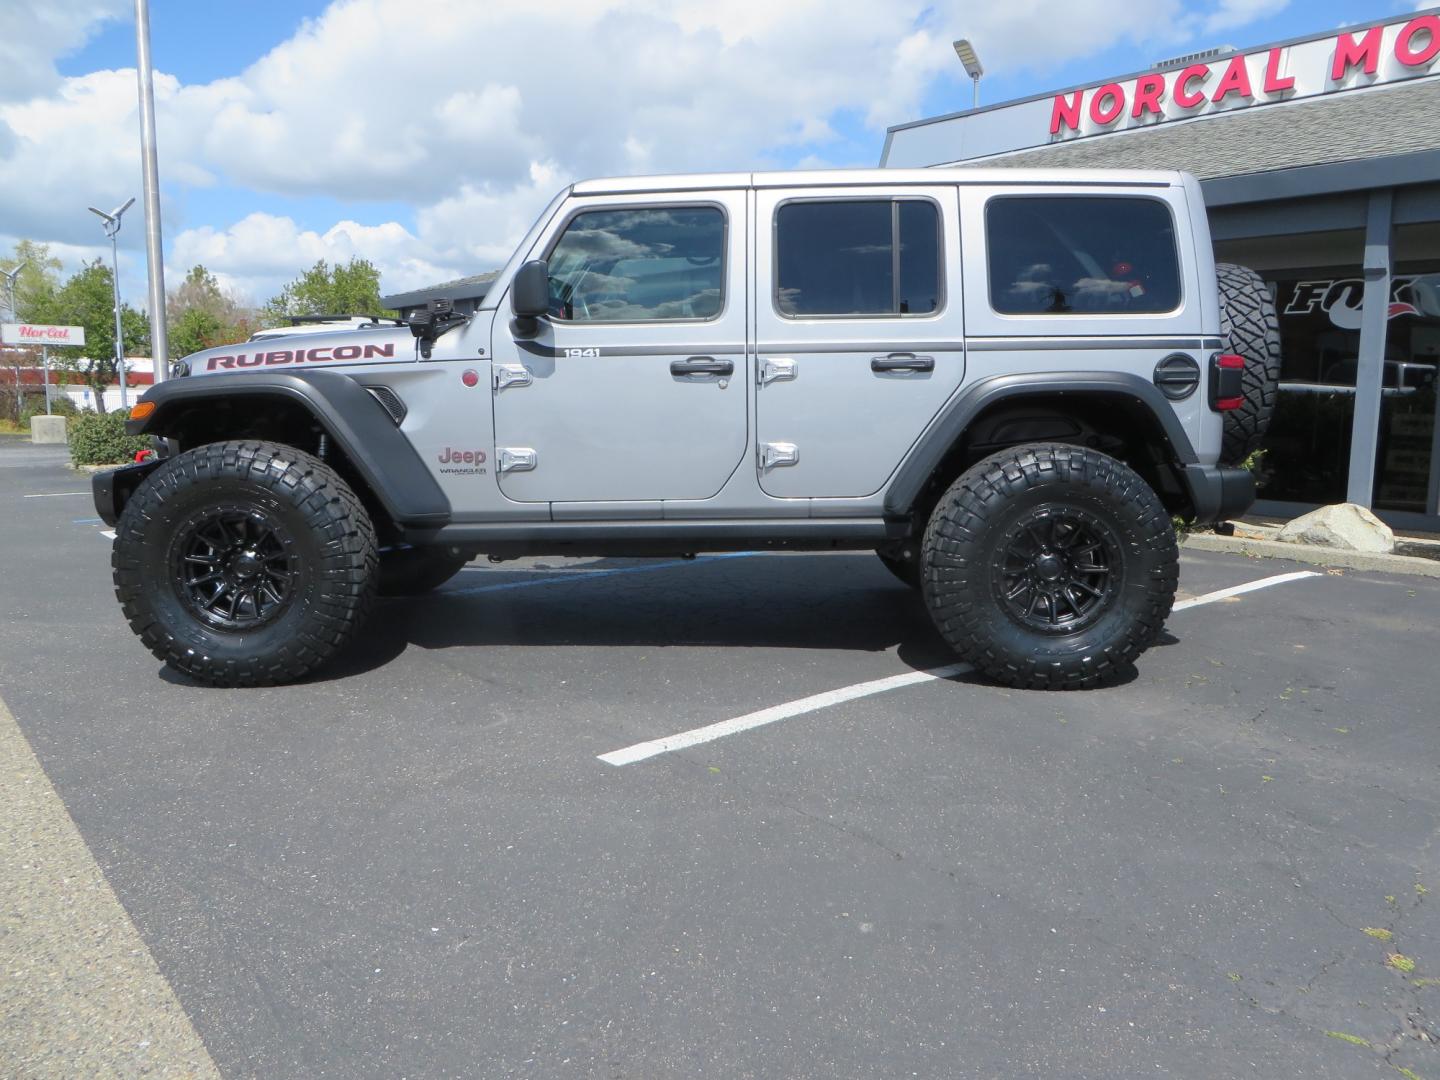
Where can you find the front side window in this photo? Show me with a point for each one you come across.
(861, 257)
(1081, 255)
(640, 265)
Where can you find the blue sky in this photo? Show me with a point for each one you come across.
(425, 139)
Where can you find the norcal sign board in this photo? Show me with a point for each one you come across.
(40, 334)
(1346, 60)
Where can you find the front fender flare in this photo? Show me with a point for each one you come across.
(345, 410)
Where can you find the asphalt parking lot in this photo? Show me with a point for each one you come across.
(419, 865)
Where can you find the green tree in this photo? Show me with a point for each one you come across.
(201, 315)
(352, 289)
(35, 284)
(87, 300)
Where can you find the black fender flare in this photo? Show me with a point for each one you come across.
(950, 424)
(345, 410)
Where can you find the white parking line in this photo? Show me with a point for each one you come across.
(775, 713)
(1239, 590)
(108, 533)
(54, 494)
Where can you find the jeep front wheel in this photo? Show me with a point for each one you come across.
(245, 563)
(1050, 566)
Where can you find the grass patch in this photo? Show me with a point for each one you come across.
(1353, 1040)
(1401, 962)
(1379, 933)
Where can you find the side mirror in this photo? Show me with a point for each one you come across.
(530, 296)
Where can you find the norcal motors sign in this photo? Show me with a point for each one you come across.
(41, 334)
(1392, 52)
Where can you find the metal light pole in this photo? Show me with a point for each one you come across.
(966, 52)
(154, 250)
(112, 229)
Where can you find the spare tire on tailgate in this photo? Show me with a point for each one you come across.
(1251, 329)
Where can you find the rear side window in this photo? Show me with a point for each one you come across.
(641, 265)
(862, 257)
(1081, 255)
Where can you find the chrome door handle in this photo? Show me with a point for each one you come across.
(702, 365)
(902, 361)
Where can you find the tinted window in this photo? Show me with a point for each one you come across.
(639, 265)
(1081, 255)
(873, 257)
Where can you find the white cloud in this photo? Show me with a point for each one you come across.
(37, 32)
(1235, 13)
(474, 113)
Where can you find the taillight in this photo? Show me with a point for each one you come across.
(1227, 381)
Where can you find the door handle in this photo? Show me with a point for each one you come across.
(902, 361)
(702, 365)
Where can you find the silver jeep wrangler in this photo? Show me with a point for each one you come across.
(1005, 383)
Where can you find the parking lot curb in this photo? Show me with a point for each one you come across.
(1309, 553)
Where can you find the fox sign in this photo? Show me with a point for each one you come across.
(1404, 49)
(40, 334)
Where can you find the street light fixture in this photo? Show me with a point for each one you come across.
(10, 276)
(966, 52)
(112, 229)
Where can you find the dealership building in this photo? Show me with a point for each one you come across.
(1320, 162)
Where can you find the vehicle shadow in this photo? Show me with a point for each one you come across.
(830, 602)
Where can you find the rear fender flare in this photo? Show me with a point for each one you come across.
(953, 421)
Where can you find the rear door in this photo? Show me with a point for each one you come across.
(859, 332)
(633, 391)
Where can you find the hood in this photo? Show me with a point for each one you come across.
(377, 346)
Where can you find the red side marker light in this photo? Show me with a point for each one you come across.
(470, 377)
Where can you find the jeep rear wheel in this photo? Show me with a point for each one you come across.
(1050, 566)
(1252, 330)
(245, 563)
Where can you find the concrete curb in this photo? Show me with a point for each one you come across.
(1318, 556)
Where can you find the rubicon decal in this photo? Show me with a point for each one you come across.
(455, 462)
(329, 354)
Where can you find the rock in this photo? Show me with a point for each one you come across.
(1344, 525)
(47, 429)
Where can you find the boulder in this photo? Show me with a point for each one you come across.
(1344, 525)
(47, 429)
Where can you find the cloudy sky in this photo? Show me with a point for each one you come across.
(426, 134)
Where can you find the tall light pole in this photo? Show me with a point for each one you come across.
(112, 229)
(154, 250)
(966, 52)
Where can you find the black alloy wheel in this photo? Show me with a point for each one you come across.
(1057, 569)
(234, 566)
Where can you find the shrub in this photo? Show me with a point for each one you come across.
(60, 405)
(100, 439)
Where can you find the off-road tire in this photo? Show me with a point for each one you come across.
(981, 519)
(416, 571)
(907, 570)
(1251, 329)
(327, 550)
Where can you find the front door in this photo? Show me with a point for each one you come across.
(859, 333)
(634, 389)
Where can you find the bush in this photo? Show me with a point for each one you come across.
(97, 439)
(60, 405)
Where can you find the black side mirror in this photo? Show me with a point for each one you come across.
(530, 296)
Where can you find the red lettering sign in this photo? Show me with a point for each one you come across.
(1405, 49)
(1274, 82)
(1149, 93)
(1184, 96)
(1066, 112)
(1106, 104)
(1349, 52)
(1236, 80)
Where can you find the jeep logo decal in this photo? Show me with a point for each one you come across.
(455, 462)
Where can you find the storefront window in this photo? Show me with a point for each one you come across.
(1407, 405)
(1308, 446)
